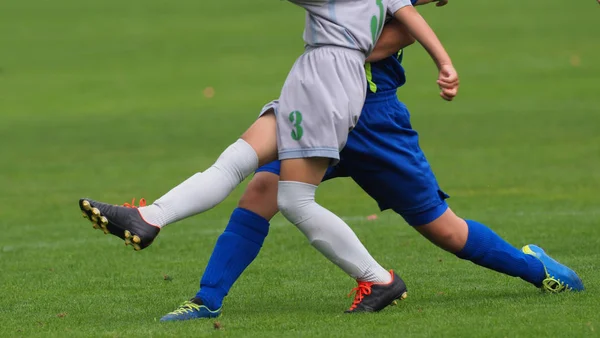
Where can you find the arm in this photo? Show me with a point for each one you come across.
(418, 27)
(394, 37)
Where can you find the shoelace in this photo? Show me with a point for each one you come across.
(555, 285)
(132, 205)
(187, 306)
(363, 289)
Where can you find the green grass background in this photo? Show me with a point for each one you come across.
(105, 99)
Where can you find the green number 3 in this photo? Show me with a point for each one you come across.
(296, 119)
(377, 24)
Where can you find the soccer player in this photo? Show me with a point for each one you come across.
(383, 156)
(320, 103)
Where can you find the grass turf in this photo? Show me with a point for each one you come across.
(107, 100)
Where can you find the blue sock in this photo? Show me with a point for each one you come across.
(236, 248)
(484, 247)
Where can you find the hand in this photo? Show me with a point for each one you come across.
(448, 82)
(441, 3)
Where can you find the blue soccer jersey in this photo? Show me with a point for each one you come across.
(385, 75)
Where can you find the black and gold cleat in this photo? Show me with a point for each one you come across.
(124, 222)
(373, 297)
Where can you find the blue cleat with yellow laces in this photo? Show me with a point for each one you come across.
(559, 277)
(191, 309)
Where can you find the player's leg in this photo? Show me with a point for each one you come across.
(476, 242)
(384, 158)
(332, 237)
(236, 248)
(197, 194)
(320, 103)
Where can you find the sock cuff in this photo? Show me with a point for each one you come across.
(473, 238)
(250, 219)
(244, 148)
(248, 225)
(305, 187)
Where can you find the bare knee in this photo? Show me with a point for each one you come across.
(260, 196)
(448, 231)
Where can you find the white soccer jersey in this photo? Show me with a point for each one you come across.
(354, 24)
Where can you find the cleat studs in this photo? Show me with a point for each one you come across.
(136, 247)
(127, 234)
(85, 215)
(404, 295)
(95, 214)
(136, 239)
(104, 221)
(86, 205)
(95, 226)
(127, 242)
(106, 232)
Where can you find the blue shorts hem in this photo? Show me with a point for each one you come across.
(273, 168)
(424, 217)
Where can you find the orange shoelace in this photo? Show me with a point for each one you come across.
(363, 289)
(132, 205)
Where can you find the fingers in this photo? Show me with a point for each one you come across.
(448, 94)
(449, 89)
(448, 83)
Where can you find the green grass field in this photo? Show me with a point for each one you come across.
(106, 99)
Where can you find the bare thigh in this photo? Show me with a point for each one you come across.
(262, 137)
(306, 170)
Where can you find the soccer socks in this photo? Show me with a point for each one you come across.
(204, 190)
(484, 247)
(236, 248)
(328, 233)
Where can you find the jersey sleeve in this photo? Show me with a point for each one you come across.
(395, 5)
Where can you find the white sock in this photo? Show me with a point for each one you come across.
(204, 190)
(328, 233)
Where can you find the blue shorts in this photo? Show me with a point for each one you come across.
(383, 156)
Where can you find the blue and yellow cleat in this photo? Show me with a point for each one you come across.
(559, 277)
(191, 309)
